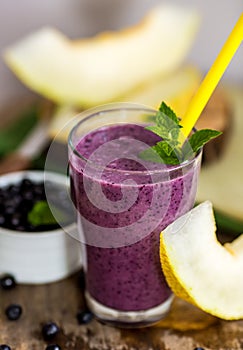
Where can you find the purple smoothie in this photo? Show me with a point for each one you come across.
(127, 276)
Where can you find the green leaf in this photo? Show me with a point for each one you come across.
(169, 149)
(174, 133)
(155, 129)
(162, 152)
(151, 155)
(164, 147)
(201, 137)
(168, 112)
(165, 123)
(41, 214)
(167, 153)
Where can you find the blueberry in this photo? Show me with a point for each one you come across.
(15, 220)
(2, 220)
(50, 330)
(13, 312)
(4, 347)
(84, 316)
(7, 282)
(9, 210)
(25, 205)
(28, 194)
(13, 189)
(198, 348)
(53, 347)
(26, 184)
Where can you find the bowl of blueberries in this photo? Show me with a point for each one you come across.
(38, 232)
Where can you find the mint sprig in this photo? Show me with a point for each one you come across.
(41, 214)
(170, 150)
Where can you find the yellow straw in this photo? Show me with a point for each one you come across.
(212, 78)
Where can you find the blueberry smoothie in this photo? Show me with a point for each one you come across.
(121, 241)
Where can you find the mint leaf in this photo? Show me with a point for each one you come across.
(156, 130)
(168, 153)
(151, 155)
(169, 150)
(201, 137)
(165, 147)
(41, 214)
(157, 154)
(168, 112)
(168, 128)
(165, 125)
(165, 120)
(162, 152)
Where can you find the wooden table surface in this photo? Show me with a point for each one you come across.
(184, 328)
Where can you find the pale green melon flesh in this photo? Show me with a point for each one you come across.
(176, 90)
(98, 70)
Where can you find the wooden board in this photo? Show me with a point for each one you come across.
(184, 328)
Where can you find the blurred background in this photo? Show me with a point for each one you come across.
(84, 18)
(222, 172)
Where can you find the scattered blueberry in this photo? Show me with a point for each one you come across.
(13, 312)
(53, 347)
(4, 347)
(50, 330)
(84, 316)
(199, 348)
(7, 282)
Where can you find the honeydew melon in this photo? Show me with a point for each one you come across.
(97, 70)
(199, 268)
(176, 89)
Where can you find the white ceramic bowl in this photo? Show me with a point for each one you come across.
(38, 257)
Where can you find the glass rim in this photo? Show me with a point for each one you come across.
(132, 107)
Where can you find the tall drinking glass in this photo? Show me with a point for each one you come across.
(123, 202)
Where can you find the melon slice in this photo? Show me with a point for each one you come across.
(176, 89)
(97, 70)
(201, 270)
